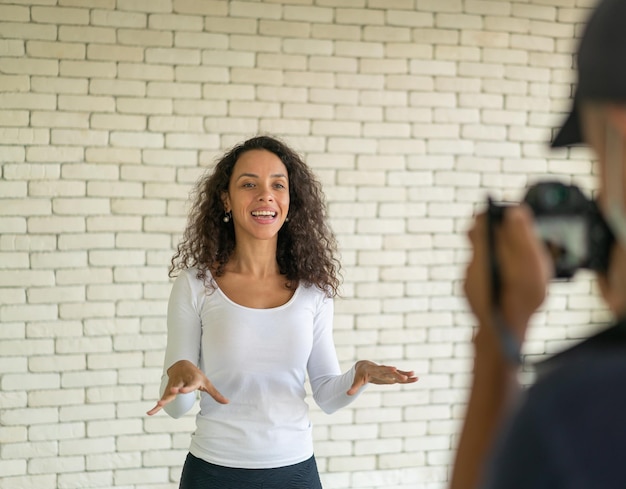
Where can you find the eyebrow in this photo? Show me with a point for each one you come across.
(254, 175)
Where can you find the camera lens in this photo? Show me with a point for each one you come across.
(554, 196)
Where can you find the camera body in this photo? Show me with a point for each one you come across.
(571, 226)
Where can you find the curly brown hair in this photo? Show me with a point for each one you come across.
(306, 249)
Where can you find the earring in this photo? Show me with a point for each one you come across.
(287, 219)
(227, 216)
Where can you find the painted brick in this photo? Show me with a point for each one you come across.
(136, 71)
(117, 360)
(208, 7)
(30, 382)
(152, 6)
(107, 189)
(272, 28)
(332, 31)
(59, 15)
(57, 431)
(56, 465)
(56, 363)
(102, 155)
(134, 140)
(14, 13)
(174, 90)
(359, 16)
(27, 481)
(24, 30)
(159, 475)
(104, 326)
(172, 56)
(231, 25)
(12, 434)
(113, 292)
(378, 33)
(50, 189)
(137, 206)
(86, 479)
(81, 311)
(57, 50)
(485, 7)
(113, 18)
(88, 446)
(175, 22)
(11, 468)
(201, 39)
(36, 416)
(148, 38)
(32, 450)
(146, 106)
(112, 394)
(104, 4)
(56, 294)
(85, 242)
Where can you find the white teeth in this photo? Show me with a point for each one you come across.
(264, 213)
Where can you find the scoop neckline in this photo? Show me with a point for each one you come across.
(236, 304)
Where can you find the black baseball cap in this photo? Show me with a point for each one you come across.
(601, 60)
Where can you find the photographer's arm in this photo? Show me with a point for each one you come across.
(494, 384)
(524, 272)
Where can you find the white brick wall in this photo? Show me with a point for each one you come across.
(408, 110)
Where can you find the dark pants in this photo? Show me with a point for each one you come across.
(198, 474)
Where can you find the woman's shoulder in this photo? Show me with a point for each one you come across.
(190, 285)
(313, 292)
(186, 274)
(194, 273)
(193, 278)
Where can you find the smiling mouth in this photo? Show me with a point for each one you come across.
(263, 214)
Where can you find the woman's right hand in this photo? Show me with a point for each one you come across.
(185, 377)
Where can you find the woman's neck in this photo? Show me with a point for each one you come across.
(257, 261)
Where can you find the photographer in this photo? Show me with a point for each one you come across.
(569, 429)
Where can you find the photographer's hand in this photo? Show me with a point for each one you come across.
(525, 270)
(524, 267)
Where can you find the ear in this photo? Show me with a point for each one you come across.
(612, 282)
(616, 114)
(226, 201)
(611, 295)
(603, 285)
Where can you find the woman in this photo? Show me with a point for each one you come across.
(250, 317)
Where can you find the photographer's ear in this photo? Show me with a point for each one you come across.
(612, 283)
(603, 285)
(616, 114)
(612, 294)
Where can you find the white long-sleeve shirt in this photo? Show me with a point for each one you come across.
(259, 359)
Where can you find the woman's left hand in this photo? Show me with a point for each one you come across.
(370, 372)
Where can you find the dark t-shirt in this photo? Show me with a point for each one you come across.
(569, 431)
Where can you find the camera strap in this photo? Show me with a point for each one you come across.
(511, 347)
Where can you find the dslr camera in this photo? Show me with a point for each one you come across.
(570, 225)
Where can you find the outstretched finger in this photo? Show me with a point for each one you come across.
(409, 376)
(356, 385)
(155, 409)
(214, 393)
(361, 378)
(168, 396)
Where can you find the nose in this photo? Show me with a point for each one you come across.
(266, 193)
